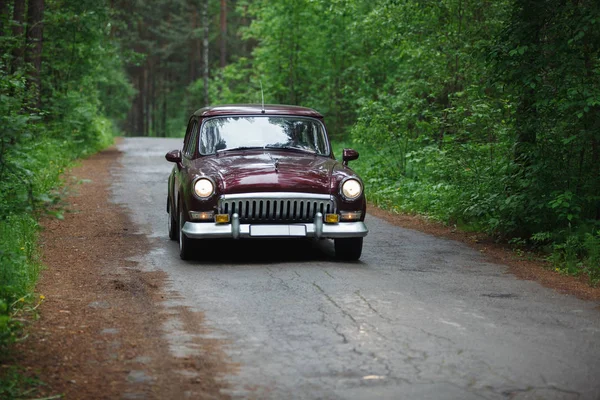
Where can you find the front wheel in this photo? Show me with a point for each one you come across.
(348, 249)
(185, 243)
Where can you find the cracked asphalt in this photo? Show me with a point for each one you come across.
(418, 317)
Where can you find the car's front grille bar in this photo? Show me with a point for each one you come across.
(276, 207)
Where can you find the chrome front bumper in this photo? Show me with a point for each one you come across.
(316, 229)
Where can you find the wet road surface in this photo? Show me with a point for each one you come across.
(418, 317)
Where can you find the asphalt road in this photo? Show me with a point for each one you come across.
(418, 317)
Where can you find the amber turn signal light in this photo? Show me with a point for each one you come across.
(222, 218)
(332, 218)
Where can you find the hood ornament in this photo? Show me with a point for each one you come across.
(275, 162)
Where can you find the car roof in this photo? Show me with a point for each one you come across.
(257, 109)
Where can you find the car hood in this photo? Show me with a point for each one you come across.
(243, 172)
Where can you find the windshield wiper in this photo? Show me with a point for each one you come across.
(298, 149)
(242, 148)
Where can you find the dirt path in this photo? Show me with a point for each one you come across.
(100, 335)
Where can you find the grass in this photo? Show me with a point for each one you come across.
(30, 188)
(17, 383)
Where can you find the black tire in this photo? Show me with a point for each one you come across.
(348, 249)
(185, 243)
(172, 222)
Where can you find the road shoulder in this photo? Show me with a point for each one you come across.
(100, 332)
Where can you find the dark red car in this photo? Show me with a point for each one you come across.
(253, 171)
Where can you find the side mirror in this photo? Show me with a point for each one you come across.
(349, 155)
(174, 156)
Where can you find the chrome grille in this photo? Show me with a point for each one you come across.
(273, 207)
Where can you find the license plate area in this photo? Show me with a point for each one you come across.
(277, 230)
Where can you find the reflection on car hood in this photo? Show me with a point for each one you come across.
(242, 172)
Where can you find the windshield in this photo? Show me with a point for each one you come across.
(296, 133)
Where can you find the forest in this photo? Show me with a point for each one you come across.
(483, 115)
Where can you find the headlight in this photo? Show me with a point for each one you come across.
(351, 189)
(204, 188)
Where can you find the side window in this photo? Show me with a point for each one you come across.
(191, 139)
(187, 134)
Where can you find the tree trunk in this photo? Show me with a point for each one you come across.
(153, 96)
(134, 117)
(205, 48)
(223, 33)
(165, 93)
(592, 126)
(141, 125)
(596, 163)
(245, 50)
(3, 17)
(149, 98)
(292, 72)
(33, 53)
(533, 16)
(18, 19)
(192, 69)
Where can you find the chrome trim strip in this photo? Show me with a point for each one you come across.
(276, 195)
(208, 230)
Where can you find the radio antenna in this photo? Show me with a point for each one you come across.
(262, 95)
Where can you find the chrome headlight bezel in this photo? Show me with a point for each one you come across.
(203, 180)
(350, 181)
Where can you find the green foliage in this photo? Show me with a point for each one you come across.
(307, 64)
(591, 264)
(16, 383)
(81, 72)
(84, 82)
(485, 116)
(162, 45)
(27, 191)
(236, 83)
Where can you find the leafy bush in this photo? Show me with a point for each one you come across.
(35, 150)
(462, 185)
(591, 264)
(28, 190)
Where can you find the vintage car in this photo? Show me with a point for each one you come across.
(263, 171)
